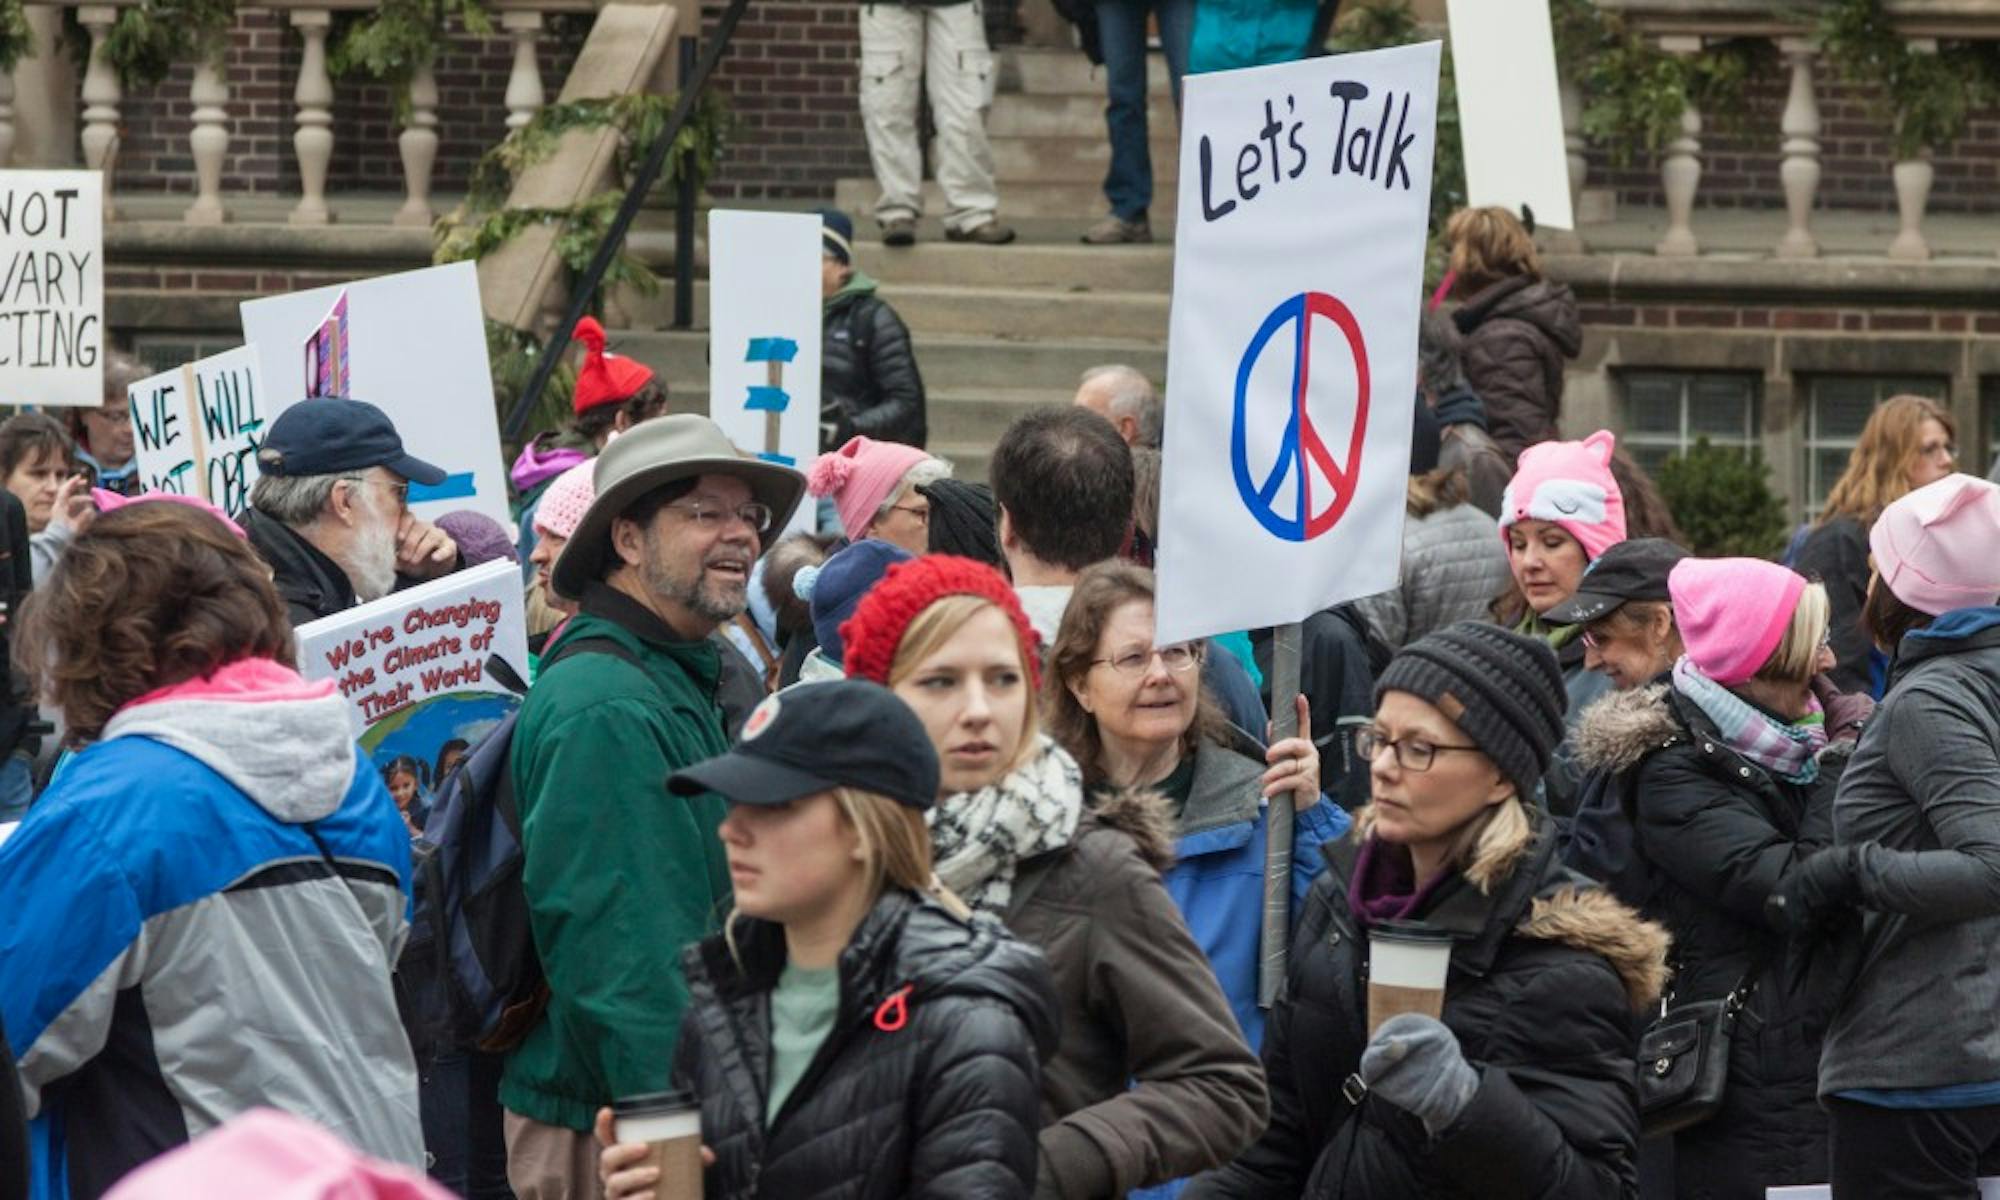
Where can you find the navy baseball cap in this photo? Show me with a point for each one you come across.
(1634, 569)
(819, 736)
(326, 436)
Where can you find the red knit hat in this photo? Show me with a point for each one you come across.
(875, 631)
(605, 378)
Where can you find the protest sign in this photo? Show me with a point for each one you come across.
(52, 288)
(326, 354)
(414, 345)
(196, 428)
(1298, 272)
(764, 315)
(1503, 59)
(412, 667)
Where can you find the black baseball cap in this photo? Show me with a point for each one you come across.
(1635, 569)
(819, 736)
(326, 436)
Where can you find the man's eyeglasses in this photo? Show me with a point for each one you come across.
(710, 516)
(1179, 659)
(922, 515)
(1413, 753)
(401, 487)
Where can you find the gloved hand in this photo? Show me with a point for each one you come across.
(1414, 1063)
(1822, 887)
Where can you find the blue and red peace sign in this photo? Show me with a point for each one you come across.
(1324, 488)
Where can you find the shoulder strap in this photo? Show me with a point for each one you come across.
(593, 645)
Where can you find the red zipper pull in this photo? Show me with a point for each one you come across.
(894, 1012)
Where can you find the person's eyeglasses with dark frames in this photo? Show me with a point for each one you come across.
(1412, 753)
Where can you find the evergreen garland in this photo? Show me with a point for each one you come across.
(1927, 98)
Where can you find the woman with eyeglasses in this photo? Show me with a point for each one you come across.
(1136, 718)
(1524, 1088)
(1908, 442)
(873, 488)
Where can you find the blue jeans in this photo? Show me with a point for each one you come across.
(1121, 26)
(459, 1095)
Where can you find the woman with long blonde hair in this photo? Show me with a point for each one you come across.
(1909, 441)
(852, 1014)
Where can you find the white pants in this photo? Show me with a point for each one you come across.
(945, 48)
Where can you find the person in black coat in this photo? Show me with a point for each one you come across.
(851, 1033)
(869, 382)
(1525, 1088)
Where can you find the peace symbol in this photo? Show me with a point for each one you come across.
(1301, 449)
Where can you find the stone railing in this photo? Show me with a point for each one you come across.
(312, 140)
(1683, 26)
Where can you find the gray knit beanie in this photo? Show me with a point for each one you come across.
(1503, 689)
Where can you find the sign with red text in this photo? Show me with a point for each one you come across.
(1292, 346)
(413, 668)
(196, 428)
(52, 288)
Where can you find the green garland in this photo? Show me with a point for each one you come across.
(17, 40)
(396, 39)
(1927, 98)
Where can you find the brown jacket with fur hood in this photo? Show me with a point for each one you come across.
(1547, 977)
(1152, 1080)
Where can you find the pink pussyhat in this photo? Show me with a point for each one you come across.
(1732, 612)
(268, 1155)
(112, 501)
(566, 499)
(1569, 484)
(859, 477)
(1938, 548)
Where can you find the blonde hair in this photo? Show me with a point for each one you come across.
(1878, 471)
(1489, 244)
(930, 629)
(1797, 651)
(1486, 848)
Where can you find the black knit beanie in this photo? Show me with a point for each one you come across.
(1504, 690)
(964, 521)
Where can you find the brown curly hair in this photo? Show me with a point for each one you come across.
(149, 596)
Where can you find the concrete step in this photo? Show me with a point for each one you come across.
(1073, 159)
(950, 363)
(1068, 266)
(1083, 202)
(971, 417)
(1021, 114)
(1050, 72)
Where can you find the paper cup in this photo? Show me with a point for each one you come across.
(1407, 964)
(670, 1123)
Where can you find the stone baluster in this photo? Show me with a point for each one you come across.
(1680, 170)
(6, 118)
(313, 140)
(101, 94)
(1799, 173)
(524, 84)
(418, 144)
(209, 93)
(1912, 177)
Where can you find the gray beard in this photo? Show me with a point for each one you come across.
(718, 603)
(371, 562)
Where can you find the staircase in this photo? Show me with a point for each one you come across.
(999, 330)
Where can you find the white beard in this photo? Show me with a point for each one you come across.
(371, 560)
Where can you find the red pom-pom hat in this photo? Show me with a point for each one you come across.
(605, 378)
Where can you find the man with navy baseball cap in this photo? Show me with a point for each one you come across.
(330, 509)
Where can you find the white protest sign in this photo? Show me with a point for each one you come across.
(764, 317)
(1503, 59)
(52, 288)
(415, 347)
(1298, 275)
(196, 428)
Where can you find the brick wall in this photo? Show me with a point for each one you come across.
(1740, 166)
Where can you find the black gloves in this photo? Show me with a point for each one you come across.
(1823, 887)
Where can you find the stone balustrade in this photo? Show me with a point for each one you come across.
(1684, 26)
(313, 93)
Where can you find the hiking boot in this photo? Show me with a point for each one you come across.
(1116, 231)
(901, 231)
(993, 233)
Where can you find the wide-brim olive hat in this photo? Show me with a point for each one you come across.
(658, 452)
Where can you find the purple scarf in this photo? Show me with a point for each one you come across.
(1384, 886)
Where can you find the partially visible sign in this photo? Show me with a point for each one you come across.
(52, 288)
(196, 428)
(1503, 59)
(326, 354)
(765, 312)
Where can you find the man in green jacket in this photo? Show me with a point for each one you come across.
(618, 877)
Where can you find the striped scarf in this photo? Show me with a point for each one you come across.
(1787, 751)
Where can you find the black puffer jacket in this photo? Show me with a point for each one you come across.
(944, 1104)
(869, 382)
(1717, 835)
(1517, 333)
(1546, 976)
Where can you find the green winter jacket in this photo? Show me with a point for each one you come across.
(619, 875)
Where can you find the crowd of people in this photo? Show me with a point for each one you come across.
(907, 853)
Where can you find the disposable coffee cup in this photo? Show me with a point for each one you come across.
(1407, 962)
(670, 1124)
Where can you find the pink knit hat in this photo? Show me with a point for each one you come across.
(1938, 548)
(108, 501)
(1571, 485)
(860, 476)
(1732, 612)
(564, 501)
(269, 1155)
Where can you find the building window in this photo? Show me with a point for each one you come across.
(1837, 406)
(1667, 412)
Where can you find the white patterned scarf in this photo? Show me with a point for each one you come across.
(981, 838)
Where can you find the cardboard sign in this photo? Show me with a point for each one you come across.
(1298, 276)
(764, 313)
(1503, 59)
(52, 288)
(412, 666)
(196, 428)
(414, 346)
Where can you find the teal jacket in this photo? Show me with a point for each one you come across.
(1250, 33)
(619, 875)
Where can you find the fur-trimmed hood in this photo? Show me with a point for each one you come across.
(1143, 815)
(1619, 729)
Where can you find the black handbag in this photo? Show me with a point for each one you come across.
(1684, 1059)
